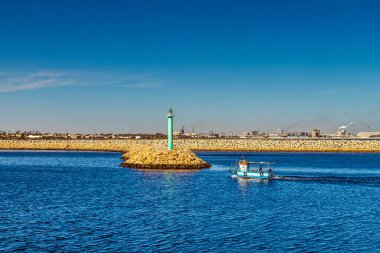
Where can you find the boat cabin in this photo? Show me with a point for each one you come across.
(244, 165)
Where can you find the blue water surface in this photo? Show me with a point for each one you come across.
(83, 201)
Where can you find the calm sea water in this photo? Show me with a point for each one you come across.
(78, 201)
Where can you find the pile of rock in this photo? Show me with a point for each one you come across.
(158, 157)
(73, 145)
(257, 145)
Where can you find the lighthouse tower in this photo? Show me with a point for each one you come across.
(170, 129)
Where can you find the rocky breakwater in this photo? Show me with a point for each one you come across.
(158, 157)
(256, 145)
(68, 145)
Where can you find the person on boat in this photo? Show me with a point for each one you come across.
(270, 172)
(261, 171)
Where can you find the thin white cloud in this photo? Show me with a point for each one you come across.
(145, 85)
(14, 82)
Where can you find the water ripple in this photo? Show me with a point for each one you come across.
(84, 202)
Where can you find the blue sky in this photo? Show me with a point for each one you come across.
(116, 66)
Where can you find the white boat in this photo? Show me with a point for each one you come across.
(254, 170)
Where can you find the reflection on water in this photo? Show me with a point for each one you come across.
(167, 171)
(245, 182)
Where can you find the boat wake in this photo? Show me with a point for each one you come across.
(373, 181)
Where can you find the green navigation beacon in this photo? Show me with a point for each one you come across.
(170, 128)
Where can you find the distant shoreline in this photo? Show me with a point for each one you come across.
(195, 151)
(206, 145)
(57, 150)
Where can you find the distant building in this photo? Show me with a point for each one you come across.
(245, 135)
(315, 133)
(368, 135)
(222, 135)
(206, 135)
(31, 136)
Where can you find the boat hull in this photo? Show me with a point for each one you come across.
(251, 175)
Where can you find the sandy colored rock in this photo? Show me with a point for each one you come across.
(257, 145)
(158, 157)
